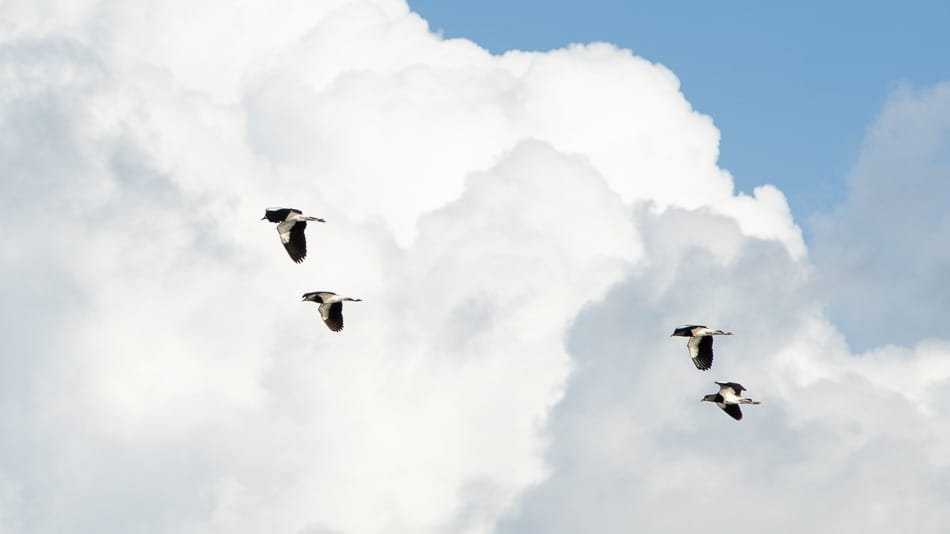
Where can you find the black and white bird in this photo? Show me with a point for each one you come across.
(331, 307)
(700, 343)
(729, 398)
(290, 225)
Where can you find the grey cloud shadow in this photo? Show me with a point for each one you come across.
(635, 386)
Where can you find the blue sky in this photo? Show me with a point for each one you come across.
(791, 86)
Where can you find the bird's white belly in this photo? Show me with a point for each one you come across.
(730, 398)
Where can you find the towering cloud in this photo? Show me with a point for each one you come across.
(524, 229)
(884, 246)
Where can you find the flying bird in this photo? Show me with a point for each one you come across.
(729, 398)
(290, 225)
(331, 307)
(700, 343)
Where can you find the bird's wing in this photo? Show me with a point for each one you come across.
(700, 349)
(333, 316)
(693, 345)
(736, 388)
(292, 236)
(284, 230)
(733, 410)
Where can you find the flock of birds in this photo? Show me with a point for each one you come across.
(291, 224)
(700, 347)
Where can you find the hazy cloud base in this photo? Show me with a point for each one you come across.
(525, 230)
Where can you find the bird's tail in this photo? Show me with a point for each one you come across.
(748, 401)
(314, 219)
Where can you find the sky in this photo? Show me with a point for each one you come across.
(792, 86)
(525, 229)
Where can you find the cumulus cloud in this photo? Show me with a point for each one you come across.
(631, 448)
(883, 247)
(525, 230)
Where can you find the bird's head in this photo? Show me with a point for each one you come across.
(709, 398)
(313, 297)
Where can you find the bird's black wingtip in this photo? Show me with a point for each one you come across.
(733, 411)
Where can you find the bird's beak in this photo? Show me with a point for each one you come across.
(262, 218)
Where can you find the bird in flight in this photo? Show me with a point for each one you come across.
(729, 398)
(700, 343)
(331, 307)
(291, 224)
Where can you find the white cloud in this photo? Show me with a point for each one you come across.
(842, 442)
(523, 228)
(883, 246)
